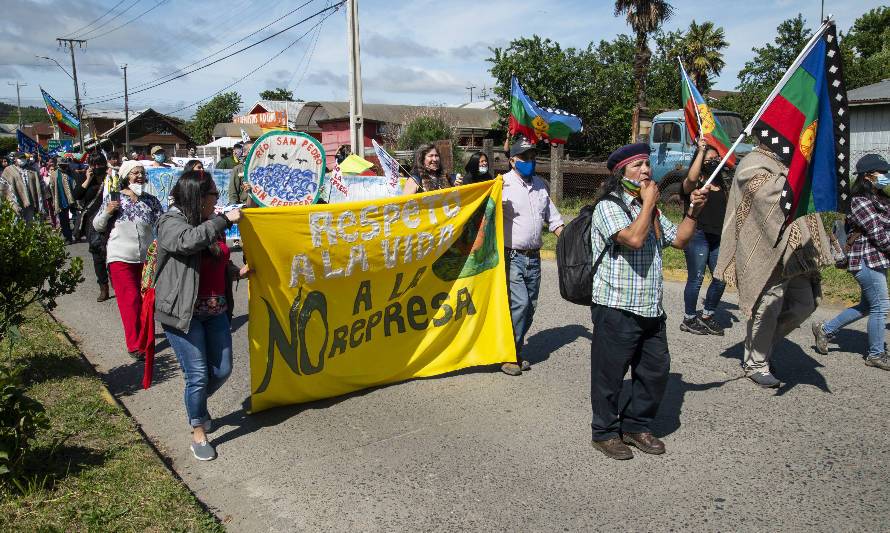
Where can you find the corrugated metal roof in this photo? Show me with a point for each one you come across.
(874, 93)
(231, 129)
(292, 108)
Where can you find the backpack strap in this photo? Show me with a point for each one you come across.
(610, 244)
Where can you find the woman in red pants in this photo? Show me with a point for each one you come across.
(129, 222)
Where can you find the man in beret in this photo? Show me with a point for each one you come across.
(527, 208)
(628, 316)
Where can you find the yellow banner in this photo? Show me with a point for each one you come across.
(349, 296)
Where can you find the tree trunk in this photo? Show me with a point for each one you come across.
(641, 66)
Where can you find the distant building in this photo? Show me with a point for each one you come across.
(869, 120)
(147, 128)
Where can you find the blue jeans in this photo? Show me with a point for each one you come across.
(701, 252)
(205, 356)
(873, 302)
(523, 284)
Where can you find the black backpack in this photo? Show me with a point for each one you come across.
(574, 257)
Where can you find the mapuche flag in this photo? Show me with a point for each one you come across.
(807, 126)
(537, 123)
(66, 120)
(697, 113)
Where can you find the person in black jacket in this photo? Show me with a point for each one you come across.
(88, 193)
(477, 169)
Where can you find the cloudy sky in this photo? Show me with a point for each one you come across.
(415, 52)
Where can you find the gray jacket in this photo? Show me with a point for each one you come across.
(179, 260)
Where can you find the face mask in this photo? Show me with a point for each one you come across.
(631, 186)
(160, 158)
(526, 169)
(21, 162)
(882, 181)
(236, 153)
(708, 168)
(483, 170)
(136, 188)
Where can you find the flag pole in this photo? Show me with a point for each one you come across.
(772, 96)
(689, 86)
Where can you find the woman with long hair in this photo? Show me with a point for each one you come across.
(129, 219)
(190, 296)
(704, 248)
(477, 169)
(88, 193)
(427, 173)
(868, 260)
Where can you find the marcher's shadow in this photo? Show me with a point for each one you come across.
(543, 343)
(849, 340)
(238, 321)
(790, 364)
(126, 380)
(668, 419)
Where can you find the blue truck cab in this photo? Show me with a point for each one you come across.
(671, 148)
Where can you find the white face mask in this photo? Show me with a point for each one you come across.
(136, 188)
(483, 170)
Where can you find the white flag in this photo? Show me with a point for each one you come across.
(245, 138)
(390, 165)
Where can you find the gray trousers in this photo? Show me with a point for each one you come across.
(782, 307)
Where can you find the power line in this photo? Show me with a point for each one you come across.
(72, 34)
(334, 7)
(311, 52)
(177, 71)
(152, 8)
(263, 64)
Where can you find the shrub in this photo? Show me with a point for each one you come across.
(34, 268)
(20, 419)
(426, 126)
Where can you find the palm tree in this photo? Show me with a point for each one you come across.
(701, 53)
(644, 17)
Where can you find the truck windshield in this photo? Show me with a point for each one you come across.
(732, 124)
(666, 132)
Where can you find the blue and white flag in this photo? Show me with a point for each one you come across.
(390, 165)
(29, 145)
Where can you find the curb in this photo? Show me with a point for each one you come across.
(111, 399)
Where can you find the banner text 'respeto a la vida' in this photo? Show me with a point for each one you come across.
(353, 295)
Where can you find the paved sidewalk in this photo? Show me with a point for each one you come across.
(484, 451)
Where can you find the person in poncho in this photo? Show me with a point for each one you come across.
(775, 269)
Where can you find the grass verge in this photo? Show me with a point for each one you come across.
(91, 471)
(838, 286)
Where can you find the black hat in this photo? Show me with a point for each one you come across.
(871, 163)
(521, 146)
(238, 145)
(627, 154)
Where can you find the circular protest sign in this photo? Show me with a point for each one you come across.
(285, 168)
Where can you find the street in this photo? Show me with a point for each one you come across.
(484, 451)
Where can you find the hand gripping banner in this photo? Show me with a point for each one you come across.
(358, 294)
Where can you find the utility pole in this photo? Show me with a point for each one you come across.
(70, 44)
(126, 114)
(356, 123)
(470, 88)
(18, 95)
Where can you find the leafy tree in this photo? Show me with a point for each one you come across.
(277, 94)
(866, 49)
(426, 126)
(770, 62)
(644, 17)
(34, 268)
(219, 109)
(701, 53)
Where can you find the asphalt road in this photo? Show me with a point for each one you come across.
(484, 451)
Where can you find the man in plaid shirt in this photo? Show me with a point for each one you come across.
(869, 259)
(627, 313)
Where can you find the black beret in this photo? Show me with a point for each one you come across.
(871, 163)
(627, 154)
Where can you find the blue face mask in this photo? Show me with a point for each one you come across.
(882, 181)
(160, 158)
(526, 169)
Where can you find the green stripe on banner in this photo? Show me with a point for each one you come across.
(800, 91)
(519, 113)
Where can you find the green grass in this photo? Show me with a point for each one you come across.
(838, 286)
(102, 476)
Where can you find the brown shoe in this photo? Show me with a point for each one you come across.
(511, 369)
(613, 449)
(645, 442)
(103, 293)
